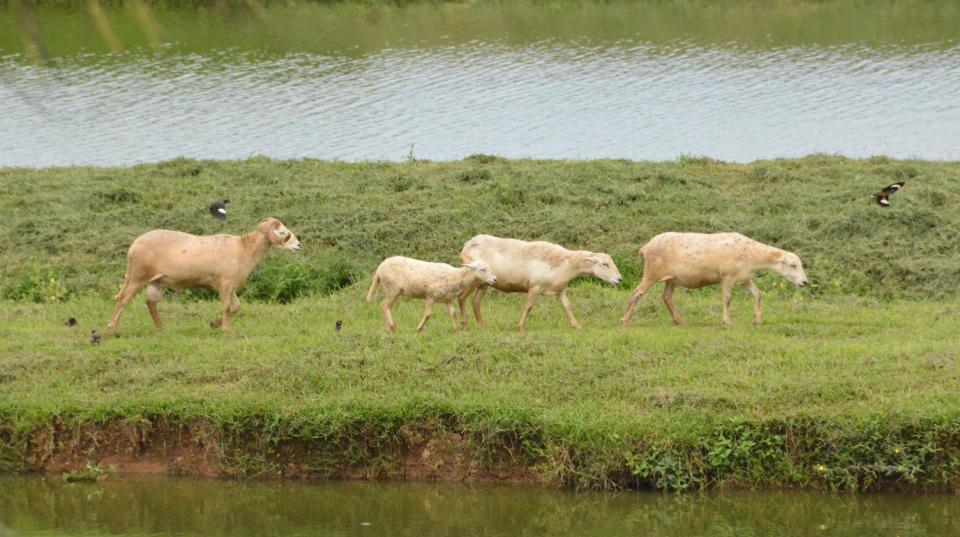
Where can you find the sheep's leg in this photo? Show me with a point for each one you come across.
(389, 299)
(462, 301)
(750, 286)
(477, 297)
(227, 297)
(427, 310)
(532, 295)
(154, 295)
(668, 300)
(453, 315)
(638, 293)
(565, 302)
(727, 295)
(130, 290)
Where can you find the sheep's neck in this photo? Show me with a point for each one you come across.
(258, 245)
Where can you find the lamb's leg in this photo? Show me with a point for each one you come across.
(645, 284)
(126, 294)
(462, 300)
(668, 300)
(154, 295)
(727, 295)
(389, 299)
(532, 295)
(477, 297)
(562, 296)
(427, 310)
(453, 314)
(750, 286)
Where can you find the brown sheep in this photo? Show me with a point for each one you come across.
(172, 259)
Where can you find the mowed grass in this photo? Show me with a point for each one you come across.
(602, 397)
(820, 358)
(851, 383)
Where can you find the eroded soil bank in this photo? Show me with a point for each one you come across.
(868, 455)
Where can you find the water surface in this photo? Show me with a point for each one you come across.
(638, 80)
(31, 505)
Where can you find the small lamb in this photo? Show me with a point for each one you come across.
(434, 282)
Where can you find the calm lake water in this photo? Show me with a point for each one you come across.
(148, 81)
(31, 505)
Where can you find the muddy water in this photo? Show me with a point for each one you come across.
(31, 505)
(640, 80)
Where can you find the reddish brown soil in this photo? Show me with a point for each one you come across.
(145, 447)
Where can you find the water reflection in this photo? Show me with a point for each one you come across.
(565, 80)
(144, 506)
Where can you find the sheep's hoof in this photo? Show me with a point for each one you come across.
(624, 322)
(577, 327)
(678, 322)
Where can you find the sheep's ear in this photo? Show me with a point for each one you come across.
(593, 259)
(272, 229)
(471, 265)
(776, 257)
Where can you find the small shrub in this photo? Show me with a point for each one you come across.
(481, 158)
(36, 284)
(284, 280)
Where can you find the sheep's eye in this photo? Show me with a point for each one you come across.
(605, 265)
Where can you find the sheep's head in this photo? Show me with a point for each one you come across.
(603, 267)
(482, 271)
(789, 266)
(278, 234)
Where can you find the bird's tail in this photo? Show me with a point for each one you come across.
(372, 293)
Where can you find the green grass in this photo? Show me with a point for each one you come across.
(73, 225)
(588, 407)
(851, 384)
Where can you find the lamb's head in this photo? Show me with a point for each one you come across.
(602, 266)
(788, 265)
(482, 272)
(278, 234)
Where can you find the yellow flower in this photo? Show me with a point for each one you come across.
(821, 468)
(896, 450)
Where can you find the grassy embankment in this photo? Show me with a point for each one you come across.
(850, 384)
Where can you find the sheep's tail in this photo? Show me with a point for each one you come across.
(126, 282)
(372, 293)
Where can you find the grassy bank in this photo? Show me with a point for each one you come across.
(850, 385)
(73, 225)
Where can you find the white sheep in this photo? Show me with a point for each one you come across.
(433, 282)
(172, 259)
(534, 268)
(695, 260)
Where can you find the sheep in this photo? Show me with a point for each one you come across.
(534, 268)
(163, 258)
(434, 282)
(696, 260)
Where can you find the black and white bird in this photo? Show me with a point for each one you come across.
(883, 197)
(94, 337)
(218, 209)
(72, 321)
(338, 326)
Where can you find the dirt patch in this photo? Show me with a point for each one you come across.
(429, 452)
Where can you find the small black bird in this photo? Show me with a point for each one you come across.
(883, 197)
(218, 209)
(94, 337)
(339, 324)
(72, 321)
